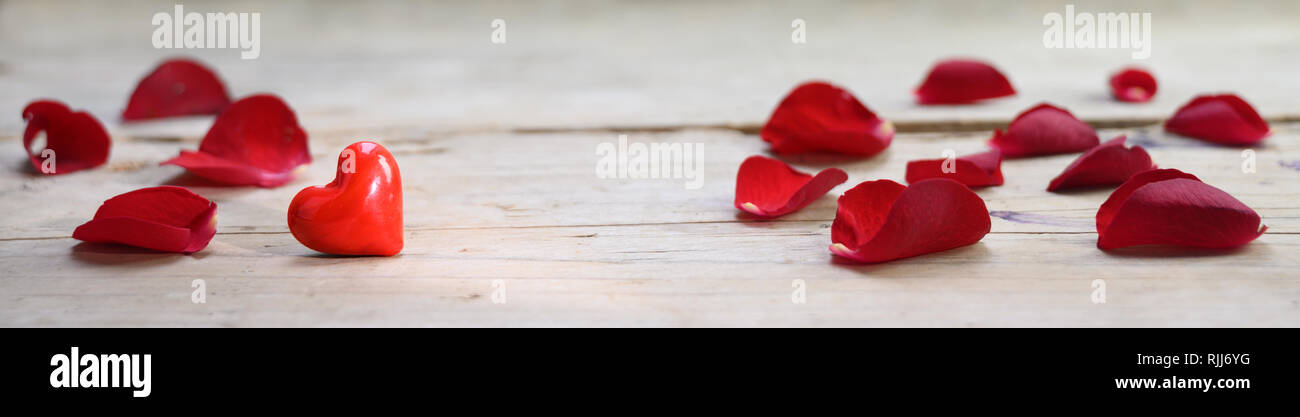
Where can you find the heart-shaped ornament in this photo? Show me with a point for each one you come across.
(360, 213)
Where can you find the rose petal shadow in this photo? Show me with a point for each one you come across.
(1170, 251)
(818, 159)
(116, 254)
(823, 160)
(978, 103)
(977, 189)
(965, 253)
(1098, 190)
(25, 168)
(1107, 98)
(184, 120)
(1194, 142)
(751, 220)
(188, 180)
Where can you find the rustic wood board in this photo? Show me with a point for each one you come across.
(596, 64)
(497, 149)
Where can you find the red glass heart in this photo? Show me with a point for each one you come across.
(360, 213)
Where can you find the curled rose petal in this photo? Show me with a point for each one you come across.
(1134, 85)
(1171, 207)
(1224, 119)
(768, 188)
(977, 170)
(882, 220)
(166, 218)
(963, 81)
(817, 116)
(178, 87)
(1044, 130)
(1107, 164)
(73, 140)
(256, 141)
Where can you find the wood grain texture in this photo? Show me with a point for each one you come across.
(497, 150)
(594, 64)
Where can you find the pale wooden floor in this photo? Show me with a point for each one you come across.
(497, 148)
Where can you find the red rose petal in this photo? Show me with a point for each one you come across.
(882, 220)
(1171, 207)
(76, 139)
(1107, 164)
(1224, 119)
(977, 170)
(166, 218)
(256, 141)
(178, 87)
(817, 116)
(1134, 85)
(963, 81)
(767, 187)
(1043, 130)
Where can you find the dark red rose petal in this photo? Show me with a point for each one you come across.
(1170, 207)
(1134, 85)
(766, 187)
(76, 139)
(882, 220)
(167, 218)
(963, 81)
(1044, 130)
(256, 141)
(978, 170)
(817, 116)
(1224, 119)
(1107, 164)
(178, 87)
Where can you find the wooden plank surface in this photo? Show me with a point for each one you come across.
(497, 148)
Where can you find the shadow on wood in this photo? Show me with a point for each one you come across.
(903, 268)
(115, 254)
(1168, 251)
(823, 160)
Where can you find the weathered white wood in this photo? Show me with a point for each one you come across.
(497, 150)
(573, 249)
(595, 64)
(721, 274)
(527, 180)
